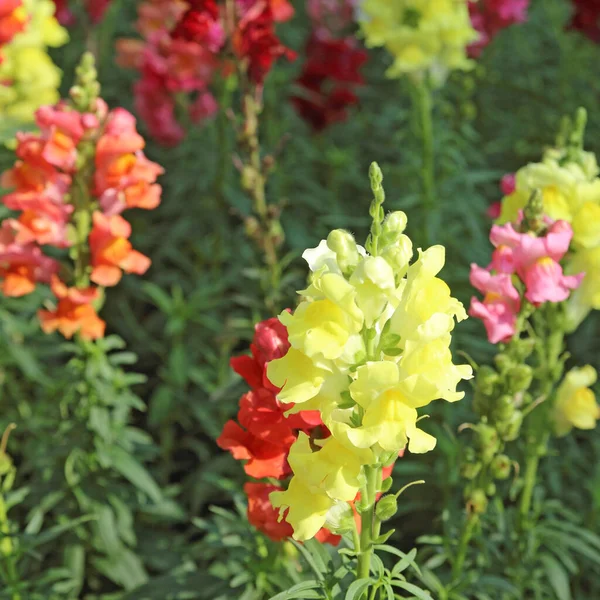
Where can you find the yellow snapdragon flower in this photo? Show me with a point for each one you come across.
(422, 35)
(29, 77)
(576, 404)
(571, 192)
(370, 346)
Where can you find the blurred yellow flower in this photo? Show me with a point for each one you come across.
(29, 77)
(576, 404)
(421, 35)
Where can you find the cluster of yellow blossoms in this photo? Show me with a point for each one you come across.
(28, 77)
(570, 185)
(422, 35)
(369, 346)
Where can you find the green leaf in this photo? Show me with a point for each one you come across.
(413, 589)
(357, 588)
(557, 576)
(135, 473)
(405, 562)
(29, 542)
(305, 589)
(315, 563)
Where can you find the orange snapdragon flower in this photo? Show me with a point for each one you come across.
(112, 252)
(74, 312)
(124, 177)
(13, 19)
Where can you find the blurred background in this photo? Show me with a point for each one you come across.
(182, 529)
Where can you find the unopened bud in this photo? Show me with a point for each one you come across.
(398, 253)
(519, 378)
(470, 470)
(489, 442)
(501, 466)
(486, 379)
(510, 429)
(478, 502)
(386, 508)
(503, 362)
(343, 244)
(395, 223)
(340, 518)
(504, 408)
(522, 348)
(490, 490)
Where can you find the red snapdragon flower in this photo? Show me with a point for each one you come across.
(255, 41)
(74, 312)
(586, 18)
(263, 434)
(327, 80)
(94, 8)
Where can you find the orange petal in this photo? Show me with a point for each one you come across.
(135, 262)
(106, 275)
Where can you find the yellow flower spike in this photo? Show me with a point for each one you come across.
(427, 372)
(334, 469)
(296, 374)
(369, 345)
(307, 511)
(576, 404)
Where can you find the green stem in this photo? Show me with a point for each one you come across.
(6, 547)
(463, 545)
(538, 442)
(368, 521)
(424, 106)
(256, 187)
(531, 467)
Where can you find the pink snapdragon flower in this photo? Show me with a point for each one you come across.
(500, 305)
(536, 260)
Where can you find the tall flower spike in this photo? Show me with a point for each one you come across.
(369, 346)
(56, 189)
(568, 179)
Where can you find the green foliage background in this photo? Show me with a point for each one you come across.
(123, 494)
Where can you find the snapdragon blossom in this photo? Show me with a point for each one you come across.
(586, 18)
(489, 17)
(526, 260)
(569, 183)
(423, 36)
